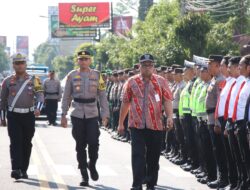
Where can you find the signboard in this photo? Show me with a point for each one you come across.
(3, 41)
(122, 24)
(57, 32)
(86, 15)
(22, 45)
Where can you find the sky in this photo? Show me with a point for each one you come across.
(23, 17)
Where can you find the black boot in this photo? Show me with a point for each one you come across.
(93, 172)
(16, 174)
(24, 175)
(85, 178)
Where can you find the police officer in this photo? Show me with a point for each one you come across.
(17, 97)
(180, 84)
(85, 86)
(186, 117)
(214, 89)
(53, 94)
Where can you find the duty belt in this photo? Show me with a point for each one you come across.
(21, 110)
(82, 100)
(211, 110)
(52, 93)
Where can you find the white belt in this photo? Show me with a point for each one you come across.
(21, 110)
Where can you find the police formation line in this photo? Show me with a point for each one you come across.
(196, 116)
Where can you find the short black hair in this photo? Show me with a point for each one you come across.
(246, 60)
(235, 60)
(225, 59)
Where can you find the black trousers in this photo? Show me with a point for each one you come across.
(243, 146)
(86, 132)
(207, 159)
(51, 109)
(189, 133)
(231, 162)
(146, 149)
(180, 137)
(219, 153)
(235, 151)
(21, 129)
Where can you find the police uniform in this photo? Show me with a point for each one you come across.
(186, 121)
(177, 125)
(53, 94)
(20, 107)
(214, 89)
(114, 100)
(85, 88)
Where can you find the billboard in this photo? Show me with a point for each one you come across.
(85, 15)
(122, 24)
(3, 41)
(22, 44)
(57, 32)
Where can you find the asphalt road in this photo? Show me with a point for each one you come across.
(53, 164)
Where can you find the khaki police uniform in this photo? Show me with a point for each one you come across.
(20, 116)
(53, 94)
(85, 88)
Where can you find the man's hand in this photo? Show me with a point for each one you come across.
(121, 129)
(3, 122)
(217, 130)
(225, 133)
(105, 122)
(169, 123)
(37, 112)
(64, 122)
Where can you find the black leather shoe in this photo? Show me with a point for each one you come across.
(229, 187)
(200, 175)
(196, 171)
(93, 172)
(16, 174)
(85, 178)
(203, 180)
(24, 175)
(213, 184)
(180, 162)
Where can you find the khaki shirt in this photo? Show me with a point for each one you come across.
(32, 92)
(177, 93)
(213, 93)
(52, 86)
(85, 85)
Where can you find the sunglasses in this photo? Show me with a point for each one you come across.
(19, 63)
(83, 59)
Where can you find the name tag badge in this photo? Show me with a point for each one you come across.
(157, 97)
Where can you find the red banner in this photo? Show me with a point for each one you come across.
(122, 24)
(74, 15)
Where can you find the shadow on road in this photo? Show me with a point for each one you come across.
(53, 185)
(160, 187)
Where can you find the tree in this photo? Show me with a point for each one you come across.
(144, 6)
(63, 65)
(4, 60)
(191, 32)
(45, 53)
(220, 39)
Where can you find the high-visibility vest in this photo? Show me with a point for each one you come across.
(195, 96)
(184, 104)
(201, 103)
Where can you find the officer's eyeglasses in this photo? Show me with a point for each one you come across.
(83, 59)
(147, 65)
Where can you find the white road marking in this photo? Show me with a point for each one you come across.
(66, 170)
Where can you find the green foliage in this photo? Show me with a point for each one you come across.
(45, 53)
(4, 60)
(220, 39)
(191, 32)
(63, 65)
